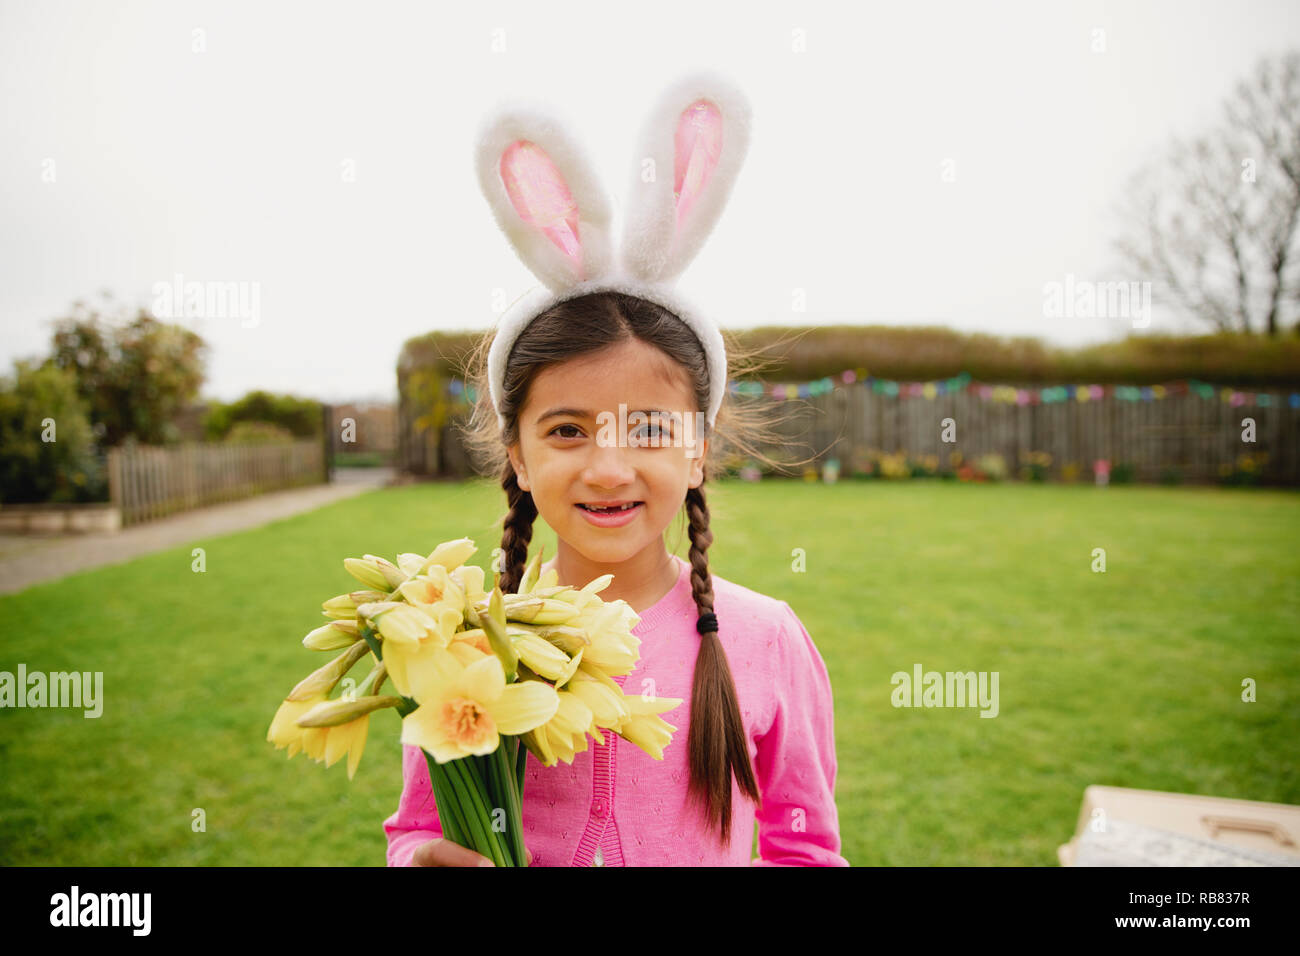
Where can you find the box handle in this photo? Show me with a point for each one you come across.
(1274, 830)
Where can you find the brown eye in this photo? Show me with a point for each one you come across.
(556, 430)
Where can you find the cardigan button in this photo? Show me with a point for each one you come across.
(599, 859)
(599, 807)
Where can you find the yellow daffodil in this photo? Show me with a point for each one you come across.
(604, 697)
(285, 731)
(410, 635)
(465, 709)
(608, 626)
(479, 665)
(475, 637)
(346, 724)
(644, 727)
(449, 555)
(397, 621)
(350, 739)
(467, 653)
(469, 578)
(435, 587)
(311, 691)
(565, 734)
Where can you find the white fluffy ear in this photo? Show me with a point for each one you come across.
(544, 195)
(690, 152)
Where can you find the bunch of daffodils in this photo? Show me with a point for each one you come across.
(475, 675)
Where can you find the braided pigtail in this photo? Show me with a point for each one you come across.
(716, 743)
(516, 533)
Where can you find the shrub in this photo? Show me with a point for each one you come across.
(301, 417)
(1123, 474)
(258, 433)
(35, 402)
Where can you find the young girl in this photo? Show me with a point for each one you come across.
(595, 347)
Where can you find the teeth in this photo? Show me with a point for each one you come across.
(609, 510)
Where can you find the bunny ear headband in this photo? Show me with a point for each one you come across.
(548, 202)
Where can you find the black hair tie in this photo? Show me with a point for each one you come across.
(706, 623)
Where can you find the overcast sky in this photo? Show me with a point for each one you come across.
(320, 154)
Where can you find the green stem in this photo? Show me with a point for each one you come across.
(488, 771)
(521, 762)
(486, 791)
(468, 814)
(451, 814)
(470, 789)
(514, 812)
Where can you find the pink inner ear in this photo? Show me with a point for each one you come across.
(542, 198)
(698, 144)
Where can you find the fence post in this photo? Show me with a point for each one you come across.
(115, 483)
(327, 440)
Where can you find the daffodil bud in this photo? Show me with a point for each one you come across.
(558, 591)
(541, 656)
(332, 636)
(528, 580)
(341, 608)
(375, 572)
(541, 611)
(368, 573)
(391, 572)
(451, 554)
(322, 680)
(493, 621)
(344, 606)
(332, 713)
(569, 639)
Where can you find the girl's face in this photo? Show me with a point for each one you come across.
(572, 452)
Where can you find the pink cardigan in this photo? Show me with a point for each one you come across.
(617, 806)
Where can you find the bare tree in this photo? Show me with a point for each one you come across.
(1216, 221)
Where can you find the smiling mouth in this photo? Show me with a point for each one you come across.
(610, 511)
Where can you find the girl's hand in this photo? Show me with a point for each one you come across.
(443, 852)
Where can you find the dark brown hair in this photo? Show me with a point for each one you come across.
(588, 323)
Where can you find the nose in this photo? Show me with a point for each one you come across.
(608, 466)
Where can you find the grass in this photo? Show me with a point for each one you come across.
(1131, 677)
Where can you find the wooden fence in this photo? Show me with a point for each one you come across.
(146, 482)
(1186, 436)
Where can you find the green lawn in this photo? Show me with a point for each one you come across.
(1130, 678)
